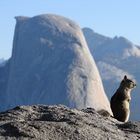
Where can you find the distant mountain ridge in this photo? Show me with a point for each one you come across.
(97, 39)
(116, 57)
(4, 75)
(2, 62)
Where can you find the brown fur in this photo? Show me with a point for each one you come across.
(120, 101)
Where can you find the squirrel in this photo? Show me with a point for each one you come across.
(120, 101)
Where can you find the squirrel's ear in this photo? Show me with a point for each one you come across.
(125, 77)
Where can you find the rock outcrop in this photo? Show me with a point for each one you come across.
(41, 122)
(51, 64)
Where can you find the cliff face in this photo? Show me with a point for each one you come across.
(51, 64)
(60, 122)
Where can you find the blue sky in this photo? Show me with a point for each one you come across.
(108, 17)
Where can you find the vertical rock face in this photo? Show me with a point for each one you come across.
(51, 64)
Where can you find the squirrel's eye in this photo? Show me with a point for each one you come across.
(131, 82)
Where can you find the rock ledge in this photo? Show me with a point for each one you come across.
(43, 122)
